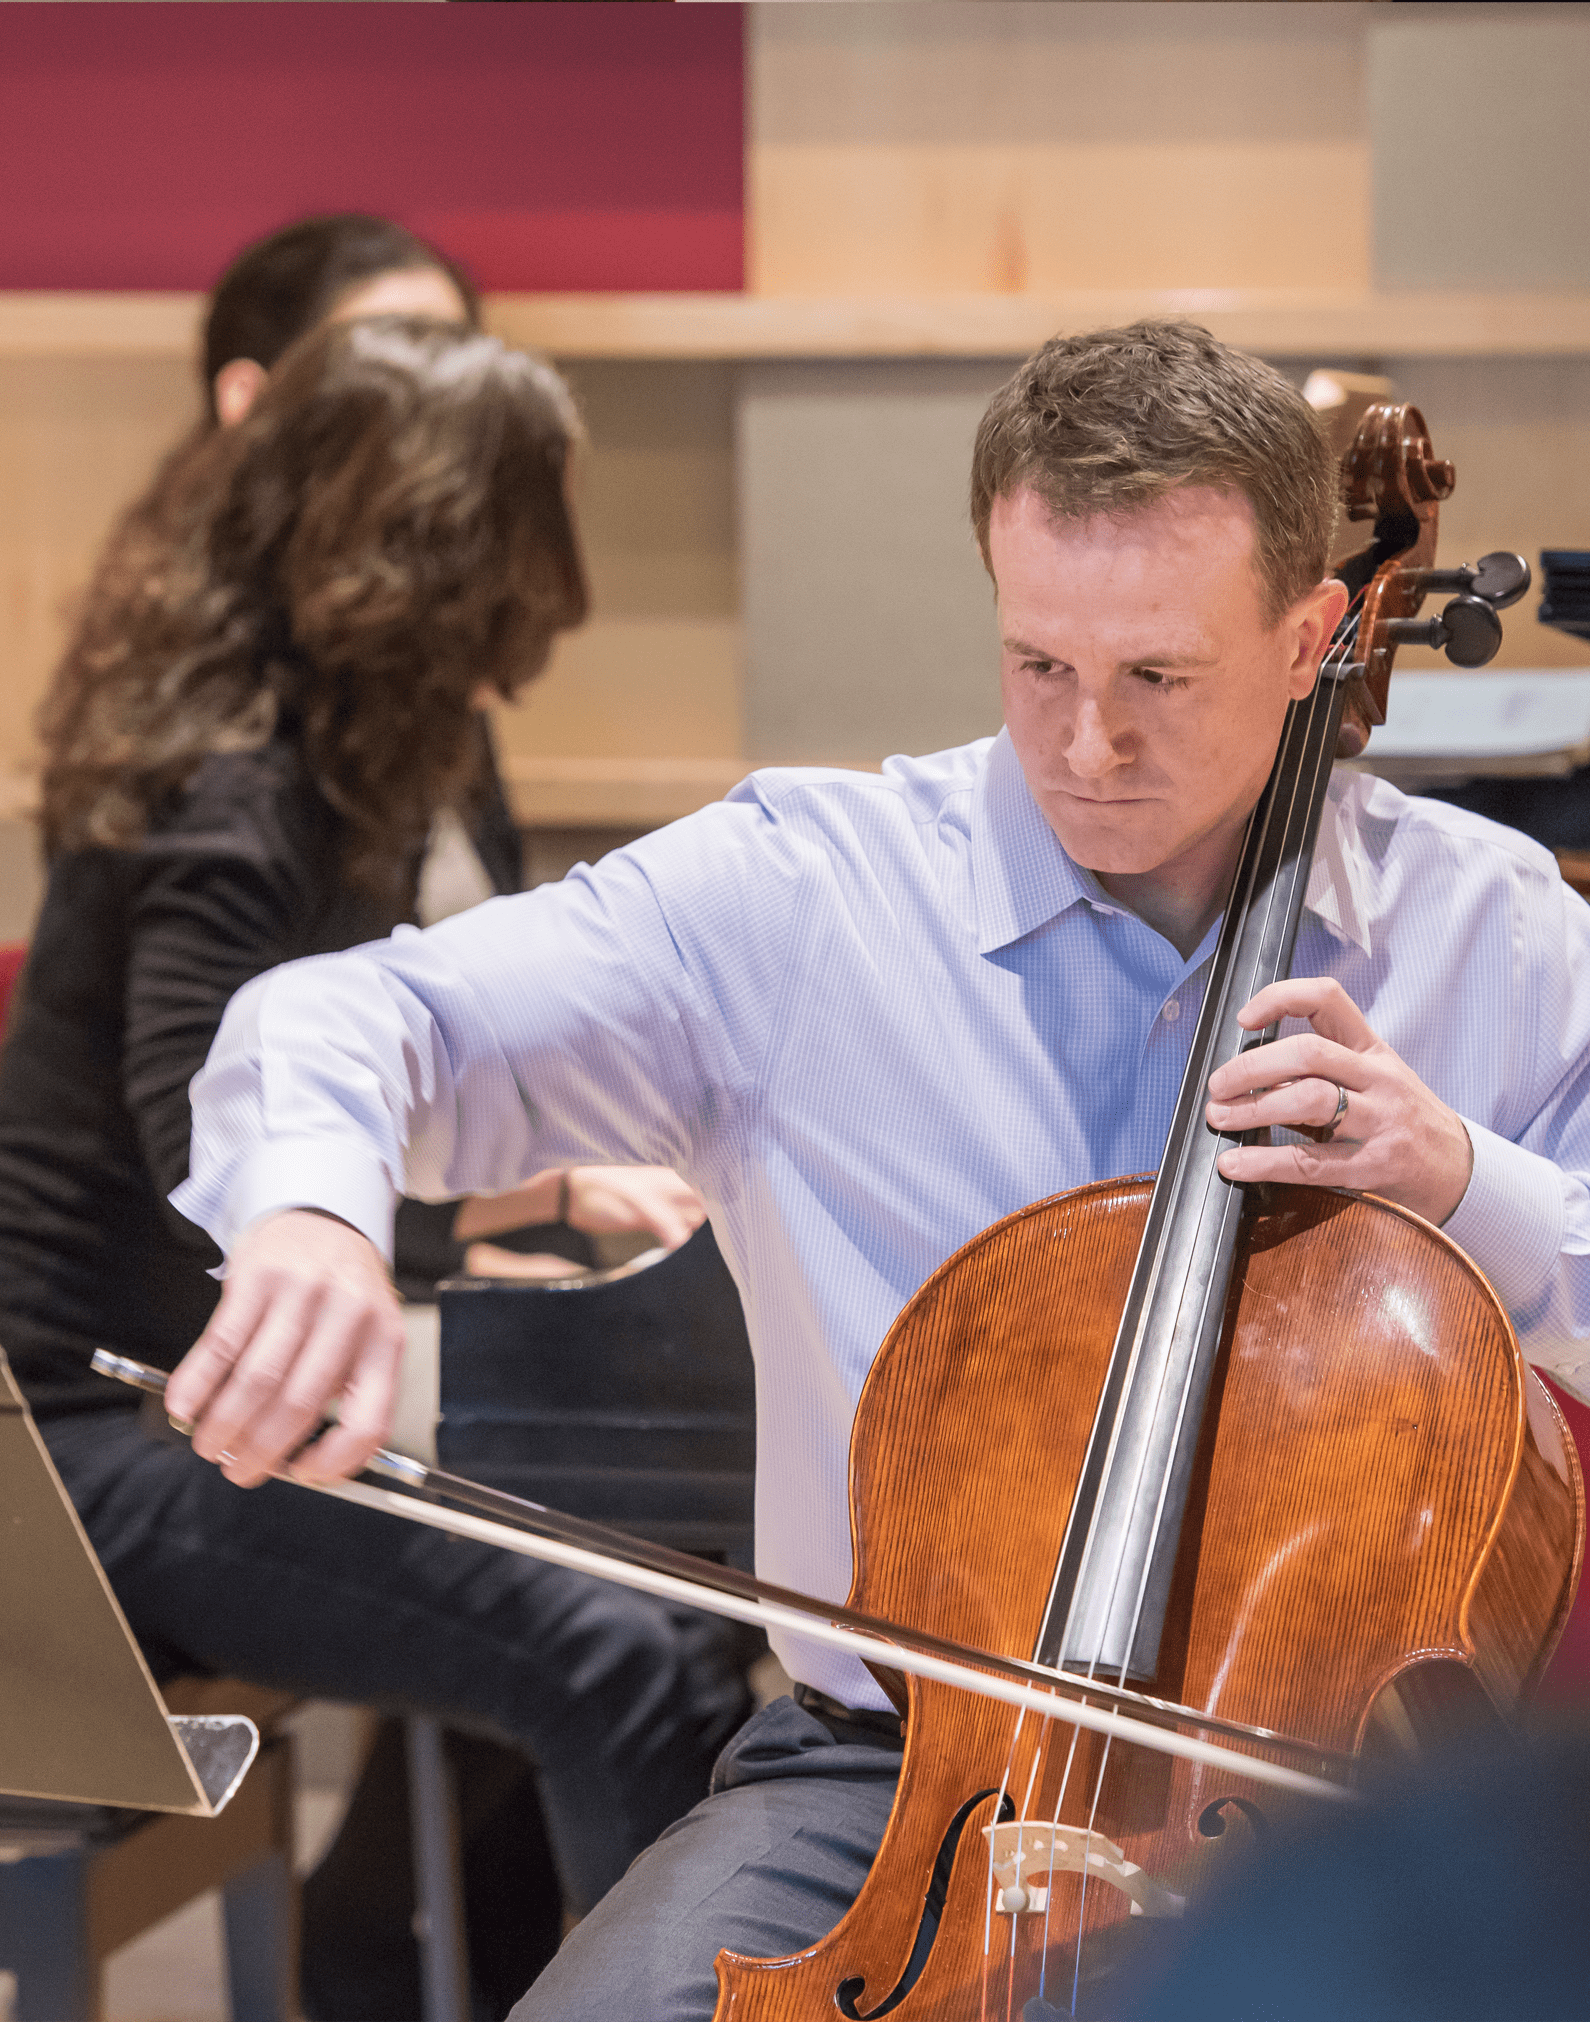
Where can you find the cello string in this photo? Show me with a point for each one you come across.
(1154, 1259)
(1082, 1893)
(1092, 1666)
(1054, 1827)
(1304, 729)
(1321, 699)
(1321, 696)
(1023, 1817)
(1312, 731)
(1210, 1177)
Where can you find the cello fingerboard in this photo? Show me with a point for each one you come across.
(1106, 1609)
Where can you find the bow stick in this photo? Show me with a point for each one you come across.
(422, 1495)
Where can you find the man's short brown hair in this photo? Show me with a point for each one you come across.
(1114, 419)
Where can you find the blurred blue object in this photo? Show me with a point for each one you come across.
(1457, 1895)
(1565, 573)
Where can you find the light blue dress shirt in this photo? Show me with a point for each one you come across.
(869, 1015)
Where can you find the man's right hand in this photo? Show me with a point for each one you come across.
(308, 1319)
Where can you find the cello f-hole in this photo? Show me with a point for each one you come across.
(1212, 1819)
(849, 1992)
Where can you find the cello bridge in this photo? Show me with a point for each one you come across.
(1024, 1854)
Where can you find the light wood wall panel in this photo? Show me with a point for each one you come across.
(656, 671)
(639, 687)
(1020, 145)
(869, 622)
(79, 438)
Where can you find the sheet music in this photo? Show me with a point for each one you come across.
(1442, 726)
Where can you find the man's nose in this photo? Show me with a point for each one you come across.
(1092, 751)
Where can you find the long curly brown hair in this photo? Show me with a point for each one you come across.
(385, 532)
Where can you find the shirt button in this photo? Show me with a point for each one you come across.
(1171, 1012)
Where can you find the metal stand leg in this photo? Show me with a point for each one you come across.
(257, 1908)
(44, 1938)
(439, 1913)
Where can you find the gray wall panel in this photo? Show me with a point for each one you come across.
(1481, 146)
(869, 619)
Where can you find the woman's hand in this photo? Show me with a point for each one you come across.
(308, 1319)
(607, 1200)
(1395, 1139)
(531, 1267)
(603, 1200)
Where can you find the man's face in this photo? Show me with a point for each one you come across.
(1144, 688)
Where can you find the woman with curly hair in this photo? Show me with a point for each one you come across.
(247, 746)
(335, 268)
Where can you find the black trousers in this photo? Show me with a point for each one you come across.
(618, 1702)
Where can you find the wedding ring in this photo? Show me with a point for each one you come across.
(1341, 1111)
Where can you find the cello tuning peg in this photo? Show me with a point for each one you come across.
(1473, 631)
(1501, 579)
(1468, 631)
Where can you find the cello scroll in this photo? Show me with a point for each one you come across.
(1392, 477)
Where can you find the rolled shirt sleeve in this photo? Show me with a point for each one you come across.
(566, 1025)
(1525, 1216)
(1512, 1218)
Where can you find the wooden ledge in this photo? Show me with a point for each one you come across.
(1297, 323)
(95, 323)
(636, 793)
(19, 796)
(1277, 322)
(624, 792)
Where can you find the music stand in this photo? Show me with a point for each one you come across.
(81, 1719)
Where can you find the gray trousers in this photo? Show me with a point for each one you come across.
(768, 1862)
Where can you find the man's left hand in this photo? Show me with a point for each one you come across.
(1396, 1139)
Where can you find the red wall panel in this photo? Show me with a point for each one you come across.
(555, 146)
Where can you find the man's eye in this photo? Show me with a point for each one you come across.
(1037, 666)
(1156, 679)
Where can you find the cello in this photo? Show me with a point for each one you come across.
(1272, 1454)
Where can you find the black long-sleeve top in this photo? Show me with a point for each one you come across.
(136, 955)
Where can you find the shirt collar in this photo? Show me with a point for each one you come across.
(1338, 883)
(1022, 878)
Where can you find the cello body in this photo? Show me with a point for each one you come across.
(1383, 1495)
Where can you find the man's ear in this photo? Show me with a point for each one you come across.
(237, 387)
(1314, 618)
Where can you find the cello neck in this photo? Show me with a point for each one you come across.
(1106, 1609)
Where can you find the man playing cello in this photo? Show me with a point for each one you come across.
(869, 1016)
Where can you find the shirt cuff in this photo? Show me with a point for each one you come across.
(1511, 1220)
(314, 1172)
